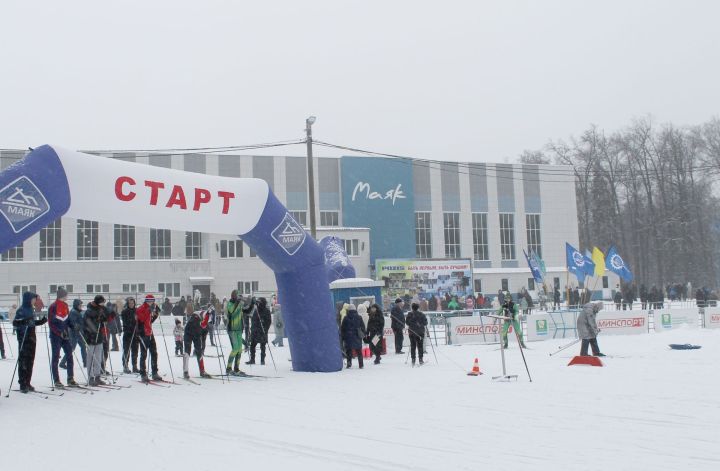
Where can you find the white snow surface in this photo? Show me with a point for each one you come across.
(648, 408)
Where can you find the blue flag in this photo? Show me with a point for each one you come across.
(615, 263)
(539, 261)
(575, 262)
(534, 268)
(589, 264)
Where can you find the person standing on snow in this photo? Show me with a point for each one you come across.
(398, 324)
(130, 337)
(95, 317)
(179, 334)
(353, 331)
(193, 337)
(25, 323)
(375, 331)
(76, 327)
(510, 309)
(261, 321)
(235, 331)
(146, 315)
(587, 328)
(416, 324)
(60, 327)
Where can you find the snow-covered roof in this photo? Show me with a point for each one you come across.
(356, 283)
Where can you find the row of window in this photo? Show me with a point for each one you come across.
(451, 233)
(505, 285)
(327, 218)
(123, 243)
(169, 289)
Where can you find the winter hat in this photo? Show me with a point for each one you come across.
(177, 321)
(366, 304)
(352, 308)
(398, 301)
(61, 293)
(149, 298)
(361, 309)
(99, 299)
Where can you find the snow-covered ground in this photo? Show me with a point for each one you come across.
(649, 408)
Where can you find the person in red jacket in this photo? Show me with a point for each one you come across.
(146, 315)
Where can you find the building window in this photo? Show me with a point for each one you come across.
(300, 217)
(507, 236)
(169, 289)
(193, 249)
(480, 236)
(19, 289)
(478, 286)
(87, 240)
(253, 254)
(532, 224)
(451, 227)
(133, 287)
(14, 254)
(329, 218)
(124, 243)
(53, 288)
(231, 248)
(423, 235)
(102, 288)
(160, 244)
(504, 285)
(247, 287)
(51, 241)
(531, 284)
(606, 282)
(352, 247)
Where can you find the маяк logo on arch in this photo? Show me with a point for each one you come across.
(22, 203)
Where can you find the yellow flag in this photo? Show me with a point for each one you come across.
(598, 259)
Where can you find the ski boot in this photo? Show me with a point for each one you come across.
(186, 375)
(24, 388)
(251, 362)
(156, 377)
(203, 374)
(126, 370)
(144, 378)
(72, 383)
(99, 381)
(228, 371)
(422, 362)
(135, 369)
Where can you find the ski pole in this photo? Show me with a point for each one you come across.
(112, 372)
(560, 349)
(82, 370)
(431, 346)
(47, 344)
(167, 352)
(17, 361)
(8, 340)
(522, 352)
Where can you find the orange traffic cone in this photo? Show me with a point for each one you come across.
(475, 369)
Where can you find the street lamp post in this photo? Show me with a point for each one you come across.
(311, 173)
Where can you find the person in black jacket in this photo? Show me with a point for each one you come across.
(95, 316)
(375, 330)
(260, 323)
(25, 324)
(130, 338)
(353, 331)
(193, 337)
(397, 324)
(416, 323)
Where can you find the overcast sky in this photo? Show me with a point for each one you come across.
(475, 80)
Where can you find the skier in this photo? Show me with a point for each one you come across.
(95, 317)
(77, 324)
(375, 330)
(130, 337)
(398, 324)
(192, 336)
(146, 315)
(60, 327)
(179, 334)
(353, 331)
(510, 309)
(235, 330)
(25, 323)
(261, 321)
(416, 323)
(588, 329)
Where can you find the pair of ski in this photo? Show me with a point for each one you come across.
(41, 394)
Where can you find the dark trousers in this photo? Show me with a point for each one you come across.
(592, 343)
(253, 344)
(2, 343)
(398, 340)
(179, 347)
(26, 357)
(376, 349)
(148, 343)
(74, 342)
(57, 343)
(114, 342)
(416, 343)
(130, 348)
(191, 342)
(349, 354)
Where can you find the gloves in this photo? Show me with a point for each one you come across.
(41, 321)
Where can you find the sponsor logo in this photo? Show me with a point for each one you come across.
(289, 235)
(492, 329)
(617, 262)
(363, 188)
(541, 327)
(666, 320)
(715, 318)
(175, 197)
(22, 203)
(621, 323)
(578, 258)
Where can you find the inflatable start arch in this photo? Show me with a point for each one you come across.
(51, 182)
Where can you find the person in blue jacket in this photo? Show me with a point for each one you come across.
(25, 323)
(77, 325)
(353, 331)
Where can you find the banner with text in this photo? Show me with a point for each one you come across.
(475, 330)
(423, 278)
(712, 317)
(666, 319)
(622, 322)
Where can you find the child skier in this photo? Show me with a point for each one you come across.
(178, 332)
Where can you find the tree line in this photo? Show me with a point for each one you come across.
(647, 189)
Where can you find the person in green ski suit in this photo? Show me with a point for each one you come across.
(234, 311)
(510, 309)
